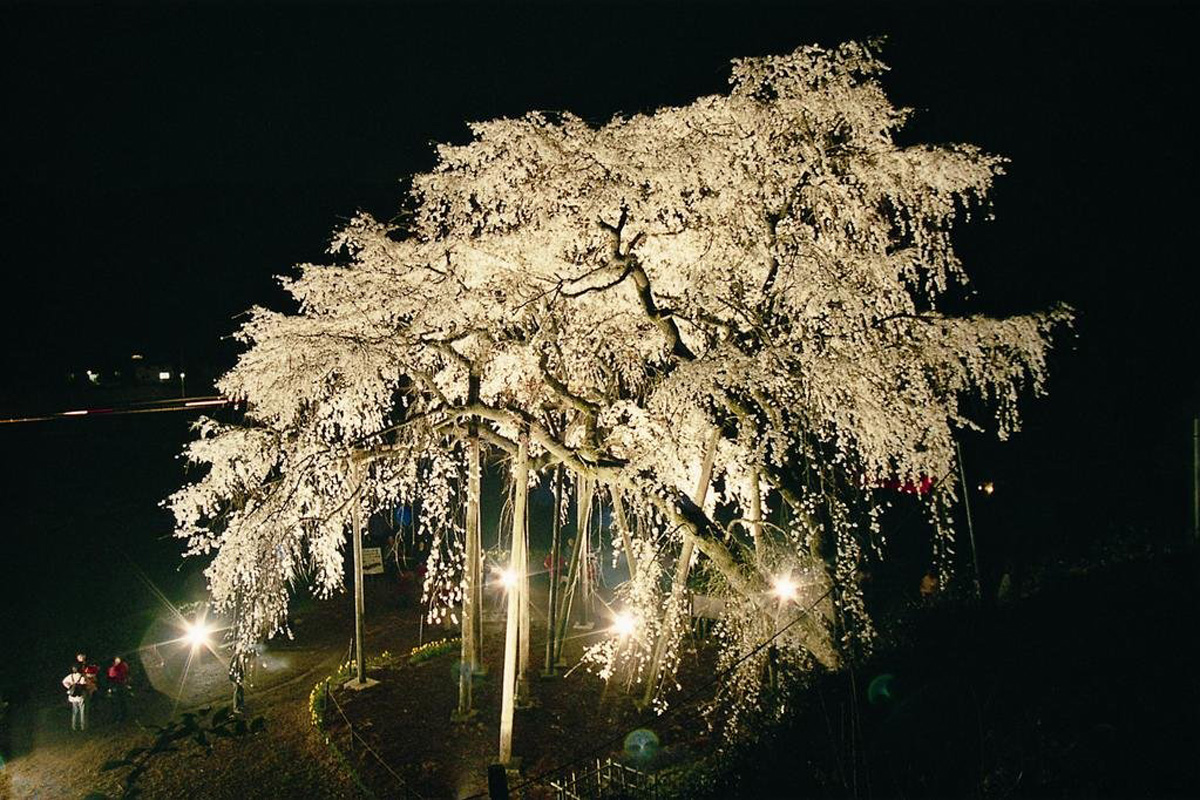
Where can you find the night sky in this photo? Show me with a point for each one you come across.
(161, 162)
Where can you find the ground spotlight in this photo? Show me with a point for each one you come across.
(196, 634)
(784, 588)
(623, 624)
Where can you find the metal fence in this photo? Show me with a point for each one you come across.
(608, 780)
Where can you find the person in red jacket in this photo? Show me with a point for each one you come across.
(118, 688)
(557, 571)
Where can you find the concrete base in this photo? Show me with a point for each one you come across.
(355, 686)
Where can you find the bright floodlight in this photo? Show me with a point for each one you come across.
(508, 577)
(784, 588)
(196, 634)
(623, 624)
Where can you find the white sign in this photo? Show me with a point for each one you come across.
(372, 561)
(707, 607)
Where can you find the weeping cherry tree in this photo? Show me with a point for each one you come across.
(717, 315)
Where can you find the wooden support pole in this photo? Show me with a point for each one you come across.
(962, 474)
(626, 539)
(679, 584)
(471, 609)
(587, 494)
(516, 568)
(756, 517)
(552, 608)
(521, 536)
(360, 680)
(564, 615)
(1196, 477)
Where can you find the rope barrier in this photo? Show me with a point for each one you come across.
(408, 790)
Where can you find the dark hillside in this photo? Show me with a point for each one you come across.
(1084, 689)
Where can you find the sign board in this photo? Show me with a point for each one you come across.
(707, 607)
(372, 560)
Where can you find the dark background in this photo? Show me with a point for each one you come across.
(161, 163)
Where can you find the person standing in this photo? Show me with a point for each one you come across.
(558, 572)
(76, 686)
(91, 675)
(118, 688)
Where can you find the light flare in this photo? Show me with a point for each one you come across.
(624, 624)
(197, 633)
(785, 588)
(505, 577)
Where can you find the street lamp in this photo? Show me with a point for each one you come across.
(623, 624)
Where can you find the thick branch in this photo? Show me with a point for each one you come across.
(559, 388)
(665, 322)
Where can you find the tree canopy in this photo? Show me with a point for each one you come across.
(751, 280)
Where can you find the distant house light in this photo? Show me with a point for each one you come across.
(94, 377)
(164, 376)
(136, 357)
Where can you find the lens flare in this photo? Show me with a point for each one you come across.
(641, 744)
(196, 634)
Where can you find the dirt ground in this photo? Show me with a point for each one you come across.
(286, 759)
(406, 721)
